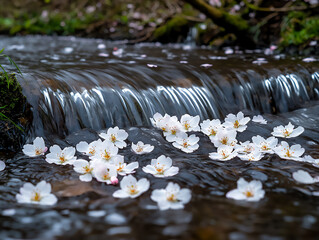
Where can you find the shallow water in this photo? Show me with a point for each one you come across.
(65, 88)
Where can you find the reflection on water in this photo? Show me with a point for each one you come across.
(77, 88)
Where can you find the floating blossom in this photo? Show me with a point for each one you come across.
(237, 122)
(259, 119)
(131, 188)
(245, 147)
(61, 157)
(116, 136)
(304, 177)
(123, 168)
(158, 119)
(39, 194)
(224, 153)
(171, 197)
(161, 167)
(225, 137)
(265, 145)
(211, 127)
(185, 143)
(173, 127)
(141, 148)
(249, 191)
(2, 165)
(287, 131)
(292, 153)
(85, 168)
(190, 123)
(105, 152)
(253, 156)
(36, 149)
(88, 149)
(104, 172)
(309, 159)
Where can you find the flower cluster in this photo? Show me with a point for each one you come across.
(105, 163)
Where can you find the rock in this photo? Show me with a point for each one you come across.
(15, 114)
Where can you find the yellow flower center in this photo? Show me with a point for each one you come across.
(38, 151)
(286, 133)
(224, 154)
(87, 169)
(159, 168)
(224, 140)
(171, 197)
(186, 125)
(164, 129)
(236, 124)
(132, 189)
(173, 131)
(36, 197)
(139, 149)
(186, 145)
(249, 194)
(92, 151)
(212, 132)
(288, 153)
(62, 159)
(113, 138)
(106, 155)
(264, 147)
(106, 176)
(120, 167)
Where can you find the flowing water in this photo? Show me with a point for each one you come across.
(79, 87)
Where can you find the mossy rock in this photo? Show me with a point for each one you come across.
(15, 114)
(174, 30)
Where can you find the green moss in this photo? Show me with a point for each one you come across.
(299, 29)
(173, 28)
(11, 97)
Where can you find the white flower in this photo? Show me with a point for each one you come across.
(173, 127)
(104, 172)
(225, 137)
(190, 123)
(265, 145)
(293, 153)
(88, 149)
(253, 156)
(39, 194)
(116, 136)
(36, 149)
(249, 191)
(131, 188)
(2, 165)
(211, 127)
(245, 147)
(161, 122)
(304, 177)
(161, 167)
(185, 143)
(105, 151)
(259, 119)
(236, 122)
(287, 131)
(224, 153)
(141, 148)
(61, 157)
(156, 119)
(171, 197)
(309, 159)
(123, 168)
(85, 168)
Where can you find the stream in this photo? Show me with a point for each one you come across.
(81, 87)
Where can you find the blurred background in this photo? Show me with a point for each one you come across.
(293, 26)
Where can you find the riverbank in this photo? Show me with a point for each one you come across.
(291, 28)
